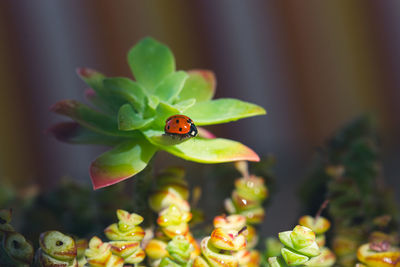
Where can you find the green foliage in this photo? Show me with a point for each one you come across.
(130, 115)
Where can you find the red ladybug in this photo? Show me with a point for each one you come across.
(180, 125)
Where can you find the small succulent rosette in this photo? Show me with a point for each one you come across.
(99, 254)
(250, 191)
(300, 247)
(319, 225)
(56, 249)
(223, 247)
(126, 236)
(378, 254)
(179, 250)
(15, 250)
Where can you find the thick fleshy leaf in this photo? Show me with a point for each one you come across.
(122, 162)
(185, 104)
(170, 87)
(106, 100)
(197, 149)
(127, 89)
(129, 120)
(163, 112)
(150, 62)
(94, 98)
(73, 133)
(88, 117)
(222, 110)
(200, 85)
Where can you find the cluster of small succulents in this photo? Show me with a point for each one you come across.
(15, 250)
(247, 199)
(300, 248)
(170, 201)
(226, 245)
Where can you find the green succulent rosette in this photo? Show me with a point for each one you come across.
(126, 236)
(319, 225)
(300, 247)
(56, 249)
(130, 115)
(179, 251)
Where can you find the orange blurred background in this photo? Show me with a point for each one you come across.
(313, 66)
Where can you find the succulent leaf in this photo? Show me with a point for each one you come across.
(169, 88)
(200, 84)
(129, 120)
(73, 133)
(121, 162)
(222, 110)
(150, 62)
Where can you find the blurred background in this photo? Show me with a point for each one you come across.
(314, 67)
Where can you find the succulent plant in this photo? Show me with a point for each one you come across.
(250, 191)
(246, 200)
(15, 250)
(130, 115)
(126, 236)
(99, 254)
(300, 247)
(348, 169)
(179, 251)
(56, 249)
(169, 200)
(225, 245)
(319, 225)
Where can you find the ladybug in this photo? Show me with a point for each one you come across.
(181, 126)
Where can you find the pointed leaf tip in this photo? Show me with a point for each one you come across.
(86, 72)
(200, 85)
(123, 161)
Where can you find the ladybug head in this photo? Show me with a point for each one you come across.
(193, 130)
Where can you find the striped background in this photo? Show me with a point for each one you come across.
(313, 67)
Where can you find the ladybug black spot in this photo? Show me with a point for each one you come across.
(168, 127)
(180, 129)
(177, 121)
